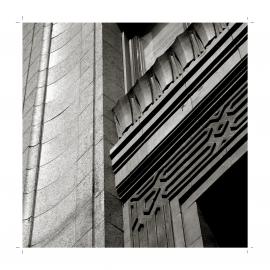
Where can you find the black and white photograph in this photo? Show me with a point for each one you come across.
(135, 134)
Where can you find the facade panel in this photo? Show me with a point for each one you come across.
(116, 154)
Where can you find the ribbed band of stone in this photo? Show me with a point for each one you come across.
(30, 181)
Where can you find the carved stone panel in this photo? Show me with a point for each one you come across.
(150, 216)
(150, 213)
(167, 68)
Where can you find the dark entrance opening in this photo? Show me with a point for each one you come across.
(223, 209)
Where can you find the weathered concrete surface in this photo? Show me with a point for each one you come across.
(74, 199)
(192, 229)
(108, 222)
(33, 93)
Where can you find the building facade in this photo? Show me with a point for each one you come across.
(134, 135)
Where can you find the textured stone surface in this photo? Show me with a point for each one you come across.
(114, 236)
(37, 44)
(54, 193)
(61, 124)
(29, 102)
(66, 51)
(77, 103)
(31, 85)
(61, 40)
(99, 235)
(84, 164)
(26, 138)
(34, 68)
(88, 37)
(58, 167)
(154, 140)
(105, 107)
(179, 238)
(220, 73)
(111, 35)
(110, 135)
(86, 96)
(85, 140)
(83, 191)
(60, 87)
(197, 243)
(64, 184)
(86, 118)
(99, 210)
(27, 28)
(64, 238)
(60, 28)
(83, 219)
(113, 60)
(191, 224)
(99, 167)
(109, 181)
(113, 88)
(65, 104)
(181, 113)
(26, 53)
(85, 241)
(87, 60)
(113, 210)
(58, 146)
(61, 69)
(243, 49)
(86, 78)
(126, 226)
(56, 219)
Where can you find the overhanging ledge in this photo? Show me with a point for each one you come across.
(178, 101)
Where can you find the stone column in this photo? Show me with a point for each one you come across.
(75, 203)
(108, 224)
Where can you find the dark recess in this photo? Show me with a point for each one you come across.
(135, 29)
(223, 207)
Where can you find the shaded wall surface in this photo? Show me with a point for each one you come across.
(69, 197)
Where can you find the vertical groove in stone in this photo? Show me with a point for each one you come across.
(180, 208)
(77, 171)
(28, 67)
(93, 151)
(42, 84)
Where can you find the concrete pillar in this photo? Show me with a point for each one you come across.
(75, 203)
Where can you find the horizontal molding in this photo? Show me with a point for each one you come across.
(237, 78)
(187, 47)
(122, 152)
(155, 108)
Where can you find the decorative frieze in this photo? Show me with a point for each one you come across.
(149, 207)
(168, 67)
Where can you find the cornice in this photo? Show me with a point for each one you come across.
(134, 120)
(175, 96)
(175, 63)
(222, 100)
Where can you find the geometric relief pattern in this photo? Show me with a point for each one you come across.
(167, 68)
(150, 214)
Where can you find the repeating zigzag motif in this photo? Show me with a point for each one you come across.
(187, 47)
(150, 214)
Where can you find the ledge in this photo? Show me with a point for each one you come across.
(170, 68)
(176, 100)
